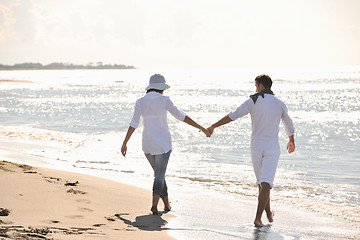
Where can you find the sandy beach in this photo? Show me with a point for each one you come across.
(40, 203)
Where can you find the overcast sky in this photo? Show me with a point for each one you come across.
(181, 33)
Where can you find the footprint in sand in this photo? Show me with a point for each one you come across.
(6, 222)
(71, 183)
(52, 179)
(71, 190)
(85, 210)
(4, 212)
(99, 225)
(111, 218)
(52, 221)
(84, 201)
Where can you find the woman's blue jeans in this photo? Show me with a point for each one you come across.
(159, 164)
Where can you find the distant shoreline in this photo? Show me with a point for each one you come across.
(32, 69)
(14, 81)
(63, 66)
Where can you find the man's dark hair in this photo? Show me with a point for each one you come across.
(154, 90)
(265, 80)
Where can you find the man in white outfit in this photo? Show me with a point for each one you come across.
(266, 111)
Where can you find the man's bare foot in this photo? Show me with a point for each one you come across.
(258, 223)
(270, 216)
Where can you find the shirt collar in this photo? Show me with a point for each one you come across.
(153, 93)
(256, 95)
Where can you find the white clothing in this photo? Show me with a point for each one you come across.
(153, 108)
(265, 118)
(265, 163)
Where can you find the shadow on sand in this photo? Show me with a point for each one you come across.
(262, 233)
(156, 223)
(146, 222)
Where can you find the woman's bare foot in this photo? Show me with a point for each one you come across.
(166, 204)
(258, 223)
(154, 210)
(270, 216)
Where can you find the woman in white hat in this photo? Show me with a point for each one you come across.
(156, 138)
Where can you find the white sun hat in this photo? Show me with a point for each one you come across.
(157, 81)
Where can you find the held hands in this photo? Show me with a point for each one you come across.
(211, 130)
(204, 130)
(208, 131)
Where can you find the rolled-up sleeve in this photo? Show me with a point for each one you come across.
(136, 118)
(241, 111)
(174, 110)
(288, 123)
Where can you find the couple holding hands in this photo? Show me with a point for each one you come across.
(266, 113)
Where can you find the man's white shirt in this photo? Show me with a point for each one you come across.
(265, 114)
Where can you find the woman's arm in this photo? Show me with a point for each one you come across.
(191, 122)
(127, 137)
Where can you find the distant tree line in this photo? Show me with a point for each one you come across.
(63, 66)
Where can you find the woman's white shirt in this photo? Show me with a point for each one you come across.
(153, 108)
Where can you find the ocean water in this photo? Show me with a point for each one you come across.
(76, 120)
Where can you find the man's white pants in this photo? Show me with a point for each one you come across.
(265, 162)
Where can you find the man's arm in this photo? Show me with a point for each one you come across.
(127, 137)
(223, 121)
(291, 144)
(241, 111)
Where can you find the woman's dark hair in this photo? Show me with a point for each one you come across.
(154, 90)
(265, 80)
